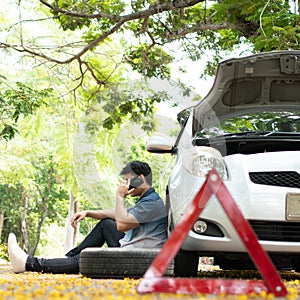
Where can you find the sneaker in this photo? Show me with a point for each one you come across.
(17, 256)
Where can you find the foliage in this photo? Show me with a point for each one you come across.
(31, 184)
(197, 26)
(150, 61)
(3, 252)
(133, 101)
(22, 100)
(151, 35)
(153, 32)
(49, 187)
(46, 203)
(86, 8)
(11, 201)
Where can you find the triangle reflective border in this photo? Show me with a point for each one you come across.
(153, 280)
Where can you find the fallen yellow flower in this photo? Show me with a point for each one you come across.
(30, 285)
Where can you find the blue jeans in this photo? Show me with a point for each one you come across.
(104, 231)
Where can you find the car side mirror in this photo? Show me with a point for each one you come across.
(159, 144)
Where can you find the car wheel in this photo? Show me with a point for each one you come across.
(186, 264)
(117, 262)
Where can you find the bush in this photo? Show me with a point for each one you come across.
(3, 252)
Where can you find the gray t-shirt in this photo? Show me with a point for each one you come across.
(150, 212)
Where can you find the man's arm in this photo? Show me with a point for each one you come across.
(101, 214)
(125, 221)
(95, 214)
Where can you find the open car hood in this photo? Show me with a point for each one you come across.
(261, 82)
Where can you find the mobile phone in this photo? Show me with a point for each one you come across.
(135, 182)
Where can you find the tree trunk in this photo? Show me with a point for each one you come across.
(76, 229)
(299, 12)
(1, 222)
(24, 239)
(71, 233)
(41, 222)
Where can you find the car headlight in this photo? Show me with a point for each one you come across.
(200, 160)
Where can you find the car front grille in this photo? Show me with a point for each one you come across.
(276, 231)
(286, 178)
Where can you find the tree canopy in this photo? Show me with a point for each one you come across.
(150, 30)
(99, 44)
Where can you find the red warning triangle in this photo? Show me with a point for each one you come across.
(153, 280)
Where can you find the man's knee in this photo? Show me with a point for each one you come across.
(107, 223)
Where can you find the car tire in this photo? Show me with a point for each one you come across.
(186, 264)
(118, 262)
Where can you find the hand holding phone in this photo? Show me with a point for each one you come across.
(135, 182)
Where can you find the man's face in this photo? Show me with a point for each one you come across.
(136, 191)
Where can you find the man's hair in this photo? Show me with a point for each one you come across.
(137, 168)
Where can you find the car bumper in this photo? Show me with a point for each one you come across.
(257, 202)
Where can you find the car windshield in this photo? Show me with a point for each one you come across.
(262, 123)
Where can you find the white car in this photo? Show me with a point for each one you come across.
(248, 129)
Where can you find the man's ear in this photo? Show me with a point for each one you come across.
(143, 177)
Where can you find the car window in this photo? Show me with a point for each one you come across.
(255, 123)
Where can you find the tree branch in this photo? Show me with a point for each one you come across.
(152, 10)
(203, 27)
(120, 20)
